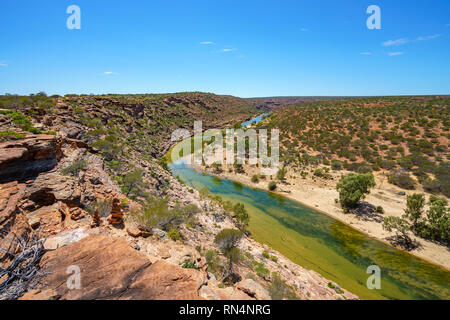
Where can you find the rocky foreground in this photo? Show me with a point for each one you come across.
(48, 230)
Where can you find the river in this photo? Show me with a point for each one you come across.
(317, 241)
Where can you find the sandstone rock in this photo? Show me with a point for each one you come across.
(134, 232)
(253, 289)
(28, 157)
(49, 219)
(159, 233)
(229, 293)
(116, 217)
(65, 238)
(77, 213)
(12, 221)
(164, 281)
(107, 266)
(37, 294)
(96, 220)
(111, 269)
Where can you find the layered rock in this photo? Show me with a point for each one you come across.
(21, 159)
(111, 269)
(116, 217)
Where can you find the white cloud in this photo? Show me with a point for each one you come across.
(401, 41)
(447, 25)
(434, 36)
(110, 73)
(366, 53)
(206, 42)
(395, 42)
(3, 64)
(303, 30)
(395, 53)
(228, 49)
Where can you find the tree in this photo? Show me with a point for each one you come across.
(133, 182)
(227, 240)
(414, 208)
(281, 174)
(400, 226)
(242, 216)
(354, 187)
(438, 220)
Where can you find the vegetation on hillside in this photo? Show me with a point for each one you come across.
(406, 137)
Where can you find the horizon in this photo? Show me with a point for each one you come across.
(225, 94)
(248, 50)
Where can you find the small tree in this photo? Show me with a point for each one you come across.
(414, 208)
(400, 226)
(133, 183)
(438, 220)
(242, 216)
(354, 187)
(227, 240)
(281, 174)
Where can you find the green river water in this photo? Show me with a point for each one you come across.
(316, 241)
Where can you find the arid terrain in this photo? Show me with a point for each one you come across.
(83, 188)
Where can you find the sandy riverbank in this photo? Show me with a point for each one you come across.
(320, 194)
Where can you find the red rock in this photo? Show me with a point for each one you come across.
(111, 269)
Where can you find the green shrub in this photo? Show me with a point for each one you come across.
(12, 134)
(272, 185)
(353, 187)
(75, 168)
(190, 265)
(175, 235)
(279, 290)
(402, 180)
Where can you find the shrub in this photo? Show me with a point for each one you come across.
(255, 178)
(228, 239)
(75, 168)
(432, 186)
(399, 225)
(133, 183)
(353, 187)
(12, 134)
(281, 174)
(279, 290)
(175, 235)
(189, 265)
(402, 180)
(242, 216)
(272, 185)
(103, 206)
(414, 208)
(380, 209)
(261, 270)
(265, 254)
(213, 261)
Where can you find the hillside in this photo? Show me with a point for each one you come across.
(83, 182)
(408, 137)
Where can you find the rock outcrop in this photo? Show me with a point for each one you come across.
(21, 159)
(111, 269)
(116, 217)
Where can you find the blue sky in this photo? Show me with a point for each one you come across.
(245, 48)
